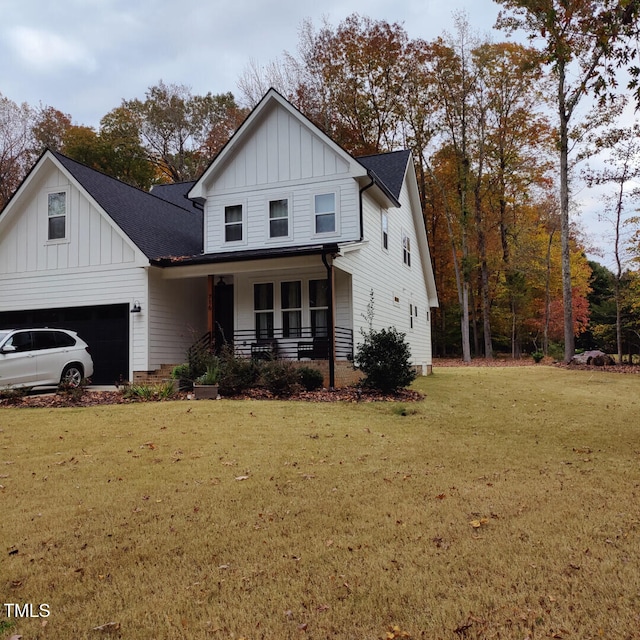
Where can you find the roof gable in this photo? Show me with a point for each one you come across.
(156, 226)
(270, 103)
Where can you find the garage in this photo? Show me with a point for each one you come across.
(104, 328)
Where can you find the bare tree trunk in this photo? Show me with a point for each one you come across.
(567, 293)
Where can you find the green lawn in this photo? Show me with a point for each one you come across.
(504, 505)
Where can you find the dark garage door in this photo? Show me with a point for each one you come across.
(104, 328)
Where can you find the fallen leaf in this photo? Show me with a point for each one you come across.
(108, 626)
(242, 477)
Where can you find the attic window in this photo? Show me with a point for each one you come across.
(57, 215)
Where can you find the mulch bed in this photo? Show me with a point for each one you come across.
(95, 398)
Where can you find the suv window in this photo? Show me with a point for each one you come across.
(44, 340)
(64, 339)
(21, 341)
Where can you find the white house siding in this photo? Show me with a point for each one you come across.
(91, 240)
(282, 159)
(93, 265)
(179, 317)
(396, 287)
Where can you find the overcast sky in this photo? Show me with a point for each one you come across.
(84, 57)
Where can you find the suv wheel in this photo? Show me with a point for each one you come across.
(72, 375)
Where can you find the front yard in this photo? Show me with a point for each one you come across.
(502, 505)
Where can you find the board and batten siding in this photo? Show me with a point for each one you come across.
(91, 240)
(95, 264)
(282, 159)
(178, 312)
(397, 288)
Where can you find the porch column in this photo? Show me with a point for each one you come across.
(210, 305)
(331, 320)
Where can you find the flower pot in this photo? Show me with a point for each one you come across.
(205, 391)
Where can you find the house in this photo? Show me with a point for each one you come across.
(286, 246)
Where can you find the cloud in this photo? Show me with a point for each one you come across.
(49, 52)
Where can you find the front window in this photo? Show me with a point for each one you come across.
(319, 308)
(278, 218)
(233, 223)
(325, 213)
(57, 214)
(263, 309)
(291, 300)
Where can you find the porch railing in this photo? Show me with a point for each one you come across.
(301, 343)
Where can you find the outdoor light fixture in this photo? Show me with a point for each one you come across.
(136, 307)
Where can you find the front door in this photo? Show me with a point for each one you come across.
(223, 320)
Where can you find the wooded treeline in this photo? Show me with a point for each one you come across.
(479, 119)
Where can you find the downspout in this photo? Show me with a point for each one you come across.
(331, 322)
(362, 190)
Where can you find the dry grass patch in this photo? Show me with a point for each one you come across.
(502, 506)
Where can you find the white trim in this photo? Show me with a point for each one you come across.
(67, 217)
(336, 213)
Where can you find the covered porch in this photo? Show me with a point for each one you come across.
(293, 305)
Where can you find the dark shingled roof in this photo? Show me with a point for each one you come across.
(389, 168)
(176, 193)
(158, 227)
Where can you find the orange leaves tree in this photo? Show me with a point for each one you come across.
(583, 42)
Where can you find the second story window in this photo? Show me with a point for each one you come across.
(406, 249)
(278, 218)
(233, 223)
(385, 232)
(325, 213)
(57, 215)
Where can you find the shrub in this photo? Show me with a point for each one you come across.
(237, 375)
(537, 356)
(310, 378)
(280, 377)
(384, 358)
(149, 392)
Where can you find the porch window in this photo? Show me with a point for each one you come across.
(57, 215)
(325, 213)
(406, 249)
(279, 218)
(233, 223)
(291, 300)
(319, 308)
(263, 309)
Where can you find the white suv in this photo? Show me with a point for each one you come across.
(42, 357)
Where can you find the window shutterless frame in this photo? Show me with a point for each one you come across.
(57, 214)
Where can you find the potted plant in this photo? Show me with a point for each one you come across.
(205, 386)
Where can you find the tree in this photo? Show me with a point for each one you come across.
(176, 127)
(622, 167)
(49, 129)
(16, 146)
(585, 40)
